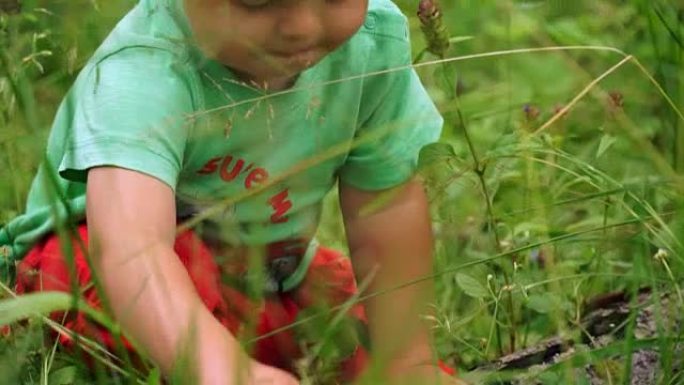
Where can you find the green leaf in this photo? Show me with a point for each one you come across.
(543, 303)
(435, 153)
(63, 376)
(44, 303)
(436, 164)
(154, 378)
(607, 140)
(27, 305)
(471, 286)
(549, 377)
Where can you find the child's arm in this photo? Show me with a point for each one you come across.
(394, 242)
(131, 222)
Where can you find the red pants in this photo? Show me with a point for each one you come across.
(329, 282)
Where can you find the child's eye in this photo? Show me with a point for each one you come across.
(255, 3)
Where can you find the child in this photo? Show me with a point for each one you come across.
(235, 118)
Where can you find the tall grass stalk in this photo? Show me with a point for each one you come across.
(625, 229)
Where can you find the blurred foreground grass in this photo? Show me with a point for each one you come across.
(531, 223)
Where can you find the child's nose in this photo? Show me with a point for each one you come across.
(300, 21)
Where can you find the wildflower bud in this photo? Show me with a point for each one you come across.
(435, 31)
(510, 287)
(532, 112)
(537, 257)
(615, 102)
(558, 109)
(616, 99)
(428, 10)
(661, 254)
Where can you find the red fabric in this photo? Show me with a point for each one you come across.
(329, 281)
(446, 368)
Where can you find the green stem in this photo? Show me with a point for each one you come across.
(18, 201)
(23, 91)
(454, 269)
(480, 169)
(678, 126)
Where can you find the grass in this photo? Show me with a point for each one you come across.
(558, 177)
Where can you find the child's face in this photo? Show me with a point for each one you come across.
(270, 41)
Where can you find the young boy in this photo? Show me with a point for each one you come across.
(235, 118)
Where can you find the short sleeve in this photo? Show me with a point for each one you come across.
(397, 118)
(129, 110)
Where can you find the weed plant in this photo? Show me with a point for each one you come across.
(558, 178)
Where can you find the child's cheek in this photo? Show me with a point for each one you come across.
(207, 20)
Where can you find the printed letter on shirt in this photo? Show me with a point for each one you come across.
(210, 167)
(232, 174)
(281, 205)
(257, 176)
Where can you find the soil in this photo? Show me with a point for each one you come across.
(605, 322)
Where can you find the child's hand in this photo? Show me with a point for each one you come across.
(261, 374)
(235, 369)
(423, 374)
(402, 374)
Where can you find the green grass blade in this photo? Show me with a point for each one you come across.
(28, 305)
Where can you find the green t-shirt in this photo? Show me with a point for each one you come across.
(260, 162)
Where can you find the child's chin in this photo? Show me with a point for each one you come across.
(300, 62)
(270, 81)
(279, 79)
